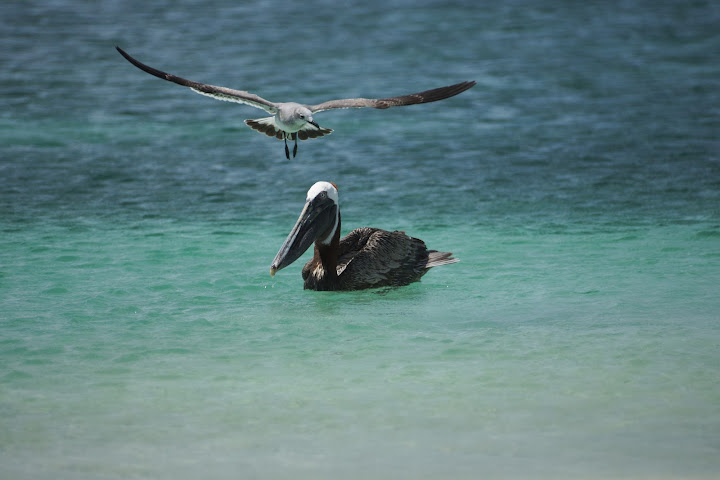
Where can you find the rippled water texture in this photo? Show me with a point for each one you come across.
(141, 335)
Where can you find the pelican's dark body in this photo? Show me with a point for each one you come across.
(365, 258)
(369, 258)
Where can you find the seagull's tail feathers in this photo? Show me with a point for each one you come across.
(311, 131)
(267, 126)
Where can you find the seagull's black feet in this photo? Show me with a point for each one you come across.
(295, 147)
(287, 150)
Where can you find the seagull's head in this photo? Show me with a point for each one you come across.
(304, 114)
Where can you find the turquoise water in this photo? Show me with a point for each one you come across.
(141, 335)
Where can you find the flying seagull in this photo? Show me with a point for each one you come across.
(290, 120)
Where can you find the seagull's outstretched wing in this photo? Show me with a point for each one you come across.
(421, 97)
(219, 93)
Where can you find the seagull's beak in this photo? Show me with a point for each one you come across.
(314, 124)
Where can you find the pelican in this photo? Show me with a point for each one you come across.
(289, 120)
(365, 258)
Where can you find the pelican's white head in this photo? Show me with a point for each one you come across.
(328, 188)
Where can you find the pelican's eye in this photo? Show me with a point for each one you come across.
(323, 195)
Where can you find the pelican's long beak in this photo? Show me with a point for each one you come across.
(317, 217)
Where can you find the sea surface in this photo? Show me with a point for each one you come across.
(578, 183)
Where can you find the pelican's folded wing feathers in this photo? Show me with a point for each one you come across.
(371, 257)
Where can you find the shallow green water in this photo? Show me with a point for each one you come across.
(141, 335)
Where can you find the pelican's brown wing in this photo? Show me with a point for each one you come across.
(371, 257)
(414, 98)
(219, 93)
